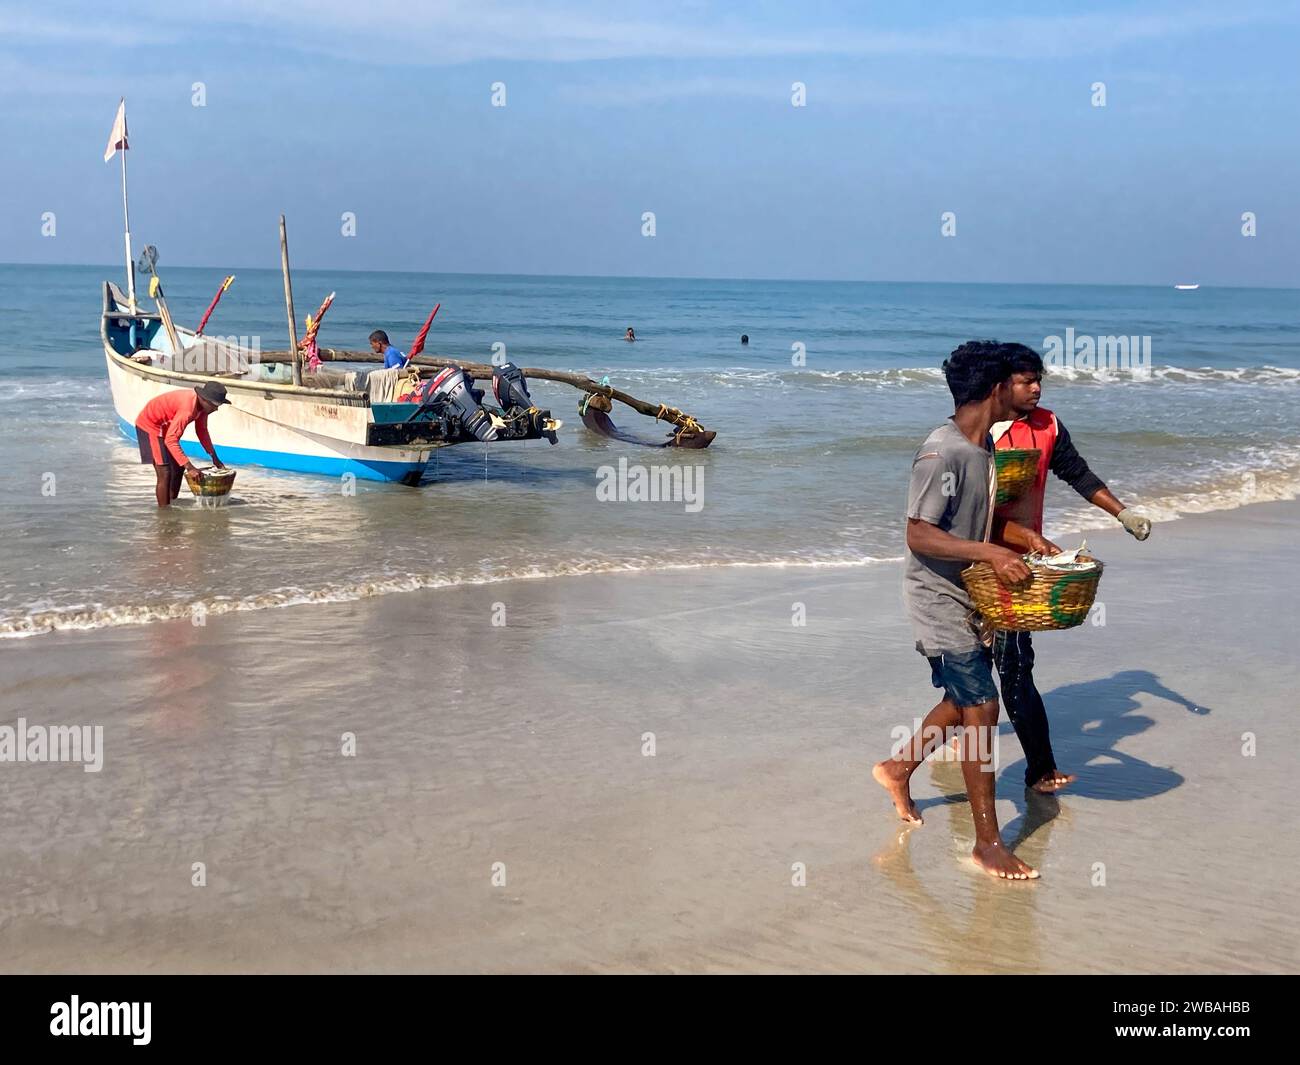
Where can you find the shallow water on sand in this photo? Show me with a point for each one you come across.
(525, 745)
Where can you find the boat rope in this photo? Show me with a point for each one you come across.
(685, 423)
(306, 432)
(272, 421)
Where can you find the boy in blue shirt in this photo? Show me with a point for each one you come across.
(380, 346)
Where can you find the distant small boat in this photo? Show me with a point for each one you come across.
(1187, 288)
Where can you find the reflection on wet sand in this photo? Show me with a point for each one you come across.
(522, 744)
(995, 928)
(178, 666)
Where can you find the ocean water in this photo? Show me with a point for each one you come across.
(809, 467)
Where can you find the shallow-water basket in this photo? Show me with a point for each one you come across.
(213, 489)
(1054, 599)
(1017, 470)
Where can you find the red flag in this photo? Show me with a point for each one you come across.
(117, 139)
(417, 345)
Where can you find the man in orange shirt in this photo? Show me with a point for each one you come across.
(160, 425)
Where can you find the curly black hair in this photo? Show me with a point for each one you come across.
(979, 366)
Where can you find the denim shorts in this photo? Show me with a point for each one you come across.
(966, 677)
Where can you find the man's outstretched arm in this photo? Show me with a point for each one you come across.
(1070, 466)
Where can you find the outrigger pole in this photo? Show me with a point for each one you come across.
(690, 433)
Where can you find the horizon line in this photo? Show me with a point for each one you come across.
(685, 277)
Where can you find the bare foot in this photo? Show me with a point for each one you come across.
(1054, 781)
(996, 860)
(891, 776)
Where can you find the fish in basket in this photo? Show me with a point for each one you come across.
(211, 486)
(1059, 595)
(1017, 470)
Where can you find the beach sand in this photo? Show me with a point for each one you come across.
(522, 744)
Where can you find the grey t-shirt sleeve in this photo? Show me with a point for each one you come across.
(929, 491)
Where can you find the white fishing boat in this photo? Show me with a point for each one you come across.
(327, 426)
(1187, 288)
(287, 411)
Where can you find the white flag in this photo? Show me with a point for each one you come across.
(117, 139)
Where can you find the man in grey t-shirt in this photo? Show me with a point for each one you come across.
(950, 522)
(952, 487)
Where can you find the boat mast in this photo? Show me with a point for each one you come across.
(126, 220)
(294, 353)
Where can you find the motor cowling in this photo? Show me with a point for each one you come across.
(510, 390)
(510, 387)
(453, 389)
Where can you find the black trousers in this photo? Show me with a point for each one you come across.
(1013, 655)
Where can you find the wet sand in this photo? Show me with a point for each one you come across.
(522, 744)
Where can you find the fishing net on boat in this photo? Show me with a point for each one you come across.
(382, 385)
(212, 355)
(337, 380)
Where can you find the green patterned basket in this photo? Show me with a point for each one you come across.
(1017, 471)
(1053, 599)
(212, 486)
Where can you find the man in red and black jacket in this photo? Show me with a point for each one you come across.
(1013, 652)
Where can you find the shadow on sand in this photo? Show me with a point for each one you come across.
(1087, 721)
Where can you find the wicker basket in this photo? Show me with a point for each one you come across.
(212, 489)
(1017, 471)
(1054, 599)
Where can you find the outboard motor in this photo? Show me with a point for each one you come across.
(453, 390)
(510, 387)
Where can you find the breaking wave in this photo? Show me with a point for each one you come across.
(931, 376)
(84, 618)
(1228, 489)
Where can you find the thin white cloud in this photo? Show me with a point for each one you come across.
(25, 29)
(835, 90)
(457, 31)
(24, 78)
(621, 94)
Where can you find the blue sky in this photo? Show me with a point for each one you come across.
(683, 109)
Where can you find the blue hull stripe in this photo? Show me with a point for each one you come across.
(333, 466)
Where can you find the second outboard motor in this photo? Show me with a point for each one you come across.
(453, 388)
(510, 387)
